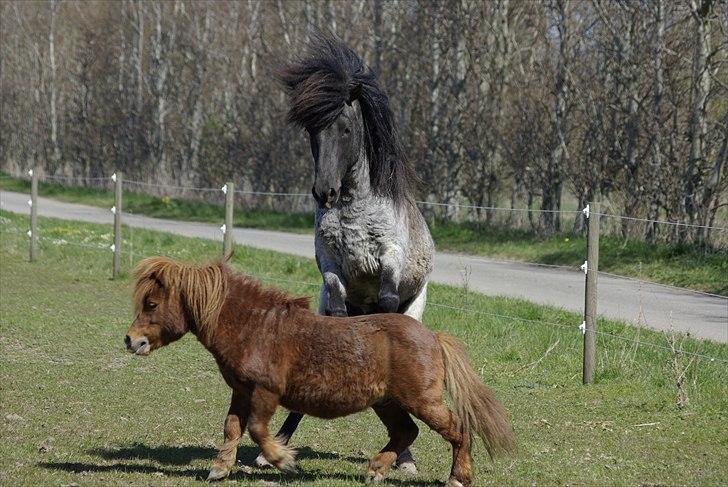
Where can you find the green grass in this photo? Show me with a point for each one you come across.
(689, 266)
(75, 408)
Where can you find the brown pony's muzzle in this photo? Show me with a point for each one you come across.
(137, 346)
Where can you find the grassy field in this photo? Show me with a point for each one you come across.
(678, 265)
(77, 409)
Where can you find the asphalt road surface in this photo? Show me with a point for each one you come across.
(653, 305)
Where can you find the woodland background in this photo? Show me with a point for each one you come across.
(510, 103)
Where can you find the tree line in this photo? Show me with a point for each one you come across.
(523, 104)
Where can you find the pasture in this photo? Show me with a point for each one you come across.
(76, 408)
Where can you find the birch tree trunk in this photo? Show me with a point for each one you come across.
(700, 90)
(710, 200)
(163, 43)
(53, 86)
(200, 57)
(553, 179)
(656, 125)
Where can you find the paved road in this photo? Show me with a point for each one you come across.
(663, 308)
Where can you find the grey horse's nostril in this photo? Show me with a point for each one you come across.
(332, 193)
(127, 341)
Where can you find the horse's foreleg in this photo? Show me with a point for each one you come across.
(390, 262)
(263, 405)
(235, 422)
(335, 293)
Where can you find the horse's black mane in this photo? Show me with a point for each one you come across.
(322, 81)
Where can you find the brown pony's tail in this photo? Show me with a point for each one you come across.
(475, 405)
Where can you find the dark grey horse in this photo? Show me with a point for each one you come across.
(373, 247)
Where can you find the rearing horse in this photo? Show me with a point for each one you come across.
(373, 247)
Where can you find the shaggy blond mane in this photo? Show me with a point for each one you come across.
(202, 288)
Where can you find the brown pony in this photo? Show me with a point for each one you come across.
(272, 350)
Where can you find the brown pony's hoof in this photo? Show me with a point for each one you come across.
(261, 462)
(217, 473)
(407, 467)
(374, 477)
(287, 462)
(287, 467)
(453, 482)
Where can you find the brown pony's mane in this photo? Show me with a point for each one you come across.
(204, 288)
(253, 292)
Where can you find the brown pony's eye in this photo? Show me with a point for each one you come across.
(151, 305)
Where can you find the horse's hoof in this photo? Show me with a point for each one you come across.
(261, 462)
(388, 303)
(374, 478)
(453, 482)
(408, 467)
(338, 313)
(217, 473)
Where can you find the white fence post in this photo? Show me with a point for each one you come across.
(591, 268)
(117, 178)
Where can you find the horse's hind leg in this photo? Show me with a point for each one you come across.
(402, 432)
(263, 405)
(235, 422)
(438, 417)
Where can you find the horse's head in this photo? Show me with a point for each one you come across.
(338, 100)
(172, 299)
(336, 149)
(160, 317)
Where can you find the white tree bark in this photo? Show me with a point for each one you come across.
(53, 85)
(656, 136)
(163, 43)
(559, 155)
(700, 90)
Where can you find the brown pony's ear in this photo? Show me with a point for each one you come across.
(354, 93)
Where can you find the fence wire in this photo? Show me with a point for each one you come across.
(420, 202)
(662, 222)
(487, 208)
(73, 178)
(171, 186)
(572, 328)
(494, 208)
(266, 193)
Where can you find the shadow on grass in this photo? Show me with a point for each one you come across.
(237, 475)
(166, 455)
(126, 458)
(182, 455)
(84, 468)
